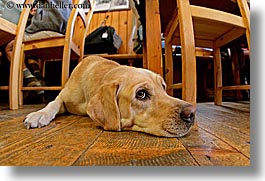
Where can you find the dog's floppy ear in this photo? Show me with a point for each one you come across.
(103, 107)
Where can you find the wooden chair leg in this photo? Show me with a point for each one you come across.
(14, 76)
(65, 64)
(168, 66)
(217, 77)
(153, 37)
(13, 85)
(144, 54)
(130, 62)
(236, 69)
(14, 67)
(20, 82)
(244, 9)
(189, 82)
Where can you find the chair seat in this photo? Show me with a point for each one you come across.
(218, 29)
(41, 35)
(42, 46)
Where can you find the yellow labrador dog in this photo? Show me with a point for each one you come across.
(118, 98)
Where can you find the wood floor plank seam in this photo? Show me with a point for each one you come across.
(225, 142)
(190, 153)
(225, 108)
(221, 123)
(88, 147)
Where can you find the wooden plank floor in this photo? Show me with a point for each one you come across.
(223, 138)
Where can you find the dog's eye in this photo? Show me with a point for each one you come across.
(142, 94)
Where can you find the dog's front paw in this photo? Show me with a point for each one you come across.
(37, 120)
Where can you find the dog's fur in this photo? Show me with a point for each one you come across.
(118, 98)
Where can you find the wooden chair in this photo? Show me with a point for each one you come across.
(65, 47)
(197, 26)
(8, 32)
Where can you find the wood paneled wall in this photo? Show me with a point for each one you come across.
(123, 21)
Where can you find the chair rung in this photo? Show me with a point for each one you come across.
(175, 86)
(41, 88)
(236, 87)
(120, 56)
(4, 87)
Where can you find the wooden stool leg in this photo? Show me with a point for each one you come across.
(217, 77)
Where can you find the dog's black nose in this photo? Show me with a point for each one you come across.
(188, 114)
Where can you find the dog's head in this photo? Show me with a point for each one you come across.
(136, 99)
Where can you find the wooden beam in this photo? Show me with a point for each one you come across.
(153, 37)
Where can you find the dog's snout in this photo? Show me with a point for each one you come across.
(188, 114)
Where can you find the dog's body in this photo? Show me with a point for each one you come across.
(118, 98)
